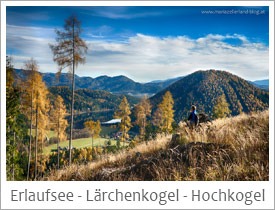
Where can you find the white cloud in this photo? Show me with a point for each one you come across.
(145, 58)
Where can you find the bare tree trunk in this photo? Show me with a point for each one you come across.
(93, 146)
(30, 149)
(41, 161)
(72, 106)
(58, 144)
(124, 134)
(36, 136)
(13, 156)
(8, 175)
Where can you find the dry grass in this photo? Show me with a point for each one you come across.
(247, 137)
(82, 172)
(226, 149)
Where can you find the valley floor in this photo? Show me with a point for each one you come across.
(234, 148)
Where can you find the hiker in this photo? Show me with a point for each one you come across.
(193, 119)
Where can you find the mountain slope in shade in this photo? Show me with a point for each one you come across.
(202, 88)
(90, 104)
(116, 85)
(91, 100)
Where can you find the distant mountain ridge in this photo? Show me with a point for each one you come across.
(202, 88)
(116, 85)
(263, 84)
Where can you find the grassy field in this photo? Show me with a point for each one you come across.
(79, 143)
(82, 142)
(105, 130)
(48, 133)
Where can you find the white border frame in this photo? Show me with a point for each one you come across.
(185, 187)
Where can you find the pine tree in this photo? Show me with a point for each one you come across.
(58, 114)
(68, 52)
(142, 111)
(167, 112)
(221, 109)
(124, 114)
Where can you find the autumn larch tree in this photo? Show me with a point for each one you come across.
(123, 113)
(35, 99)
(94, 128)
(31, 71)
(42, 106)
(221, 109)
(167, 112)
(142, 111)
(69, 52)
(97, 128)
(58, 114)
(157, 118)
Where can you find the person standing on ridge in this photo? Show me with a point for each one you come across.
(193, 119)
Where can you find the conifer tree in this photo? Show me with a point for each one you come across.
(31, 71)
(35, 102)
(157, 118)
(13, 124)
(68, 52)
(42, 106)
(221, 109)
(123, 113)
(142, 111)
(94, 128)
(58, 114)
(167, 112)
(97, 128)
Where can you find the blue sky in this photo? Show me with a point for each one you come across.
(148, 43)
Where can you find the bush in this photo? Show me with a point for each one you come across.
(81, 133)
(53, 140)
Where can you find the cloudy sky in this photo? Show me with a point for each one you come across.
(147, 43)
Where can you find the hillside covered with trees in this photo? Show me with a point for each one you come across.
(203, 88)
(91, 100)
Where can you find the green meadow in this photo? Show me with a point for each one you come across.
(79, 143)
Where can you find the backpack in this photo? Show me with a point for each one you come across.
(197, 119)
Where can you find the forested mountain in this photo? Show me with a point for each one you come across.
(91, 100)
(115, 85)
(202, 88)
